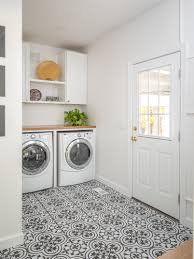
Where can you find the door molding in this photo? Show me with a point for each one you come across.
(130, 120)
(184, 219)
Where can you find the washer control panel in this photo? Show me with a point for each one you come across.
(81, 134)
(33, 136)
(88, 135)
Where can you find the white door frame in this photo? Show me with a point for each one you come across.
(130, 122)
(183, 192)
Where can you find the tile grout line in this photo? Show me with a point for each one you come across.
(95, 195)
(25, 234)
(94, 221)
(88, 188)
(55, 223)
(103, 227)
(120, 209)
(90, 217)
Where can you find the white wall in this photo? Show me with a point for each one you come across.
(187, 35)
(45, 114)
(153, 34)
(10, 145)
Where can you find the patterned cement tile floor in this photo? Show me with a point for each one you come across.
(77, 222)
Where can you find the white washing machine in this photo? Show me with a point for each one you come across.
(37, 161)
(76, 157)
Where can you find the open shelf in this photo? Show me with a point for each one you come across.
(39, 81)
(45, 102)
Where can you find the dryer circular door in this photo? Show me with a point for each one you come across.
(35, 157)
(79, 154)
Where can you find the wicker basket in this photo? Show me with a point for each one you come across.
(48, 70)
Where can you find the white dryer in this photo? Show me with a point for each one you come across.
(37, 161)
(76, 157)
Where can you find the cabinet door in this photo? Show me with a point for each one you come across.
(76, 77)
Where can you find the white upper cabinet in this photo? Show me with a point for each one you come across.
(76, 77)
(70, 88)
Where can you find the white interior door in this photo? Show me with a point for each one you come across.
(155, 133)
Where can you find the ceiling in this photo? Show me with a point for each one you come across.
(77, 23)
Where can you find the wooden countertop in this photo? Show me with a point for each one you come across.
(55, 127)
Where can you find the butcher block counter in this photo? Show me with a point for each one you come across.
(55, 128)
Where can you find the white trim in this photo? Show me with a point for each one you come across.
(123, 190)
(181, 22)
(55, 158)
(159, 55)
(182, 177)
(11, 241)
(2, 61)
(184, 113)
(130, 121)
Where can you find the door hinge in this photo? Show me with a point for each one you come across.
(179, 198)
(180, 74)
(179, 136)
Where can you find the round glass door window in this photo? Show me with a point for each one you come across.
(35, 157)
(79, 154)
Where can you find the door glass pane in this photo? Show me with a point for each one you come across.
(164, 103)
(153, 125)
(164, 79)
(143, 103)
(143, 81)
(2, 41)
(154, 102)
(2, 81)
(153, 81)
(34, 157)
(143, 125)
(164, 126)
(80, 154)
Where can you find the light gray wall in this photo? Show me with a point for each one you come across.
(10, 145)
(46, 114)
(153, 34)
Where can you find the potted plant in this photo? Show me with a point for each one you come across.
(75, 118)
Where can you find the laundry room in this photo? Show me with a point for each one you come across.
(96, 129)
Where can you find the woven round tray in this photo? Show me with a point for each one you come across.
(48, 70)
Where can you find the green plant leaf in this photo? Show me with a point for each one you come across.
(75, 117)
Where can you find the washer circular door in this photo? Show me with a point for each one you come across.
(79, 154)
(35, 157)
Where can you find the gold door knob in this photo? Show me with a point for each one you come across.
(134, 139)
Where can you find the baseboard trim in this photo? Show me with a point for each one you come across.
(11, 241)
(123, 190)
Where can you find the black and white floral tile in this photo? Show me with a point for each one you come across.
(77, 222)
